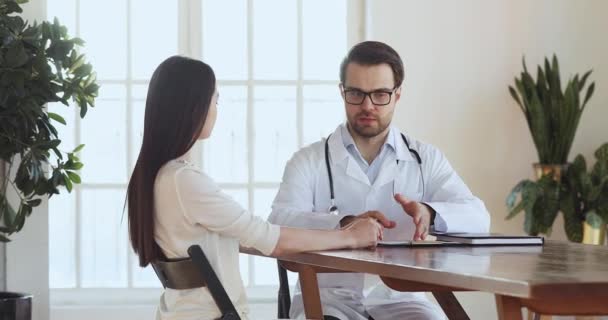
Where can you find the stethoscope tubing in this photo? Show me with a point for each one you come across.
(333, 209)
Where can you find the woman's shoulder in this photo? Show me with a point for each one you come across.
(183, 173)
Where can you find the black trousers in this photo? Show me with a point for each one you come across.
(334, 318)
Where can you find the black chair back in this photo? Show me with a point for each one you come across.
(195, 272)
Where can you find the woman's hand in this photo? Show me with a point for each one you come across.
(364, 232)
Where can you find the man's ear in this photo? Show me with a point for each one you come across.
(398, 94)
(341, 87)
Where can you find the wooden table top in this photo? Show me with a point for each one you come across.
(522, 271)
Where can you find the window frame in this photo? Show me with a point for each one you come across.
(190, 44)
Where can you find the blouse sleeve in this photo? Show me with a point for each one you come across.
(203, 203)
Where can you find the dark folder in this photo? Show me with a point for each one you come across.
(489, 238)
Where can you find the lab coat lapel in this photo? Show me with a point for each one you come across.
(353, 170)
(388, 171)
(342, 162)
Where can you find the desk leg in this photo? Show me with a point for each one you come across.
(508, 308)
(310, 293)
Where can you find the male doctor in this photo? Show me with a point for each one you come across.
(368, 168)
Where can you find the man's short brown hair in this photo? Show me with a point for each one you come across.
(373, 53)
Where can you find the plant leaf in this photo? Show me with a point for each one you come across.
(593, 219)
(589, 94)
(78, 149)
(73, 176)
(57, 118)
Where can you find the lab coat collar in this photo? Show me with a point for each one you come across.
(338, 150)
(348, 141)
(389, 170)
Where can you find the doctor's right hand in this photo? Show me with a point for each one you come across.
(364, 233)
(379, 216)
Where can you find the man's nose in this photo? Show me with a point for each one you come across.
(367, 103)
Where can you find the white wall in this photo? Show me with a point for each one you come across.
(27, 255)
(460, 56)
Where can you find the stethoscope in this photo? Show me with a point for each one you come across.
(333, 209)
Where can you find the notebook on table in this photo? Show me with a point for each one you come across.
(489, 239)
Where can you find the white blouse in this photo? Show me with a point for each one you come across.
(191, 209)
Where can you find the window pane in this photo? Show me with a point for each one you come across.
(143, 277)
(225, 152)
(323, 111)
(103, 249)
(225, 37)
(102, 26)
(242, 197)
(263, 199)
(138, 108)
(62, 231)
(154, 35)
(275, 127)
(62, 210)
(324, 38)
(65, 11)
(265, 268)
(103, 131)
(274, 39)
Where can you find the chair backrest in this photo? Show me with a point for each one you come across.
(284, 298)
(178, 274)
(195, 272)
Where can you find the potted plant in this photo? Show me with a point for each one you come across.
(584, 199)
(39, 64)
(581, 196)
(552, 115)
(540, 202)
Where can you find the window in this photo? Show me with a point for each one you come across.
(276, 62)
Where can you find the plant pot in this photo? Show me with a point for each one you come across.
(593, 235)
(15, 306)
(541, 169)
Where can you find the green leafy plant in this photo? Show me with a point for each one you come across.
(39, 64)
(540, 202)
(584, 195)
(552, 114)
(581, 197)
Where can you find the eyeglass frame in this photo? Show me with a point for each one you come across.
(369, 94)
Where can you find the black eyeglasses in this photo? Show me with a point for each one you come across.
(378, 97)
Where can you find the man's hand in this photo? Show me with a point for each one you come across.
(421, 215)
(379, 216)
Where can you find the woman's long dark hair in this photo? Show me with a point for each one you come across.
(177, 104)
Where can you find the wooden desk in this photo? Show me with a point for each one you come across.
(557, 278)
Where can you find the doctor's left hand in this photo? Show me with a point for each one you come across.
(421, 215)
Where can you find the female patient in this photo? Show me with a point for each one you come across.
(173, 204)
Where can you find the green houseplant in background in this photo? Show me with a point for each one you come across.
(552, 115)
(39, 64)
(540, 202)
(584, 199)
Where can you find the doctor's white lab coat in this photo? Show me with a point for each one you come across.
(303, 201)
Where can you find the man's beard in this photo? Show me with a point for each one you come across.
(368, 132)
